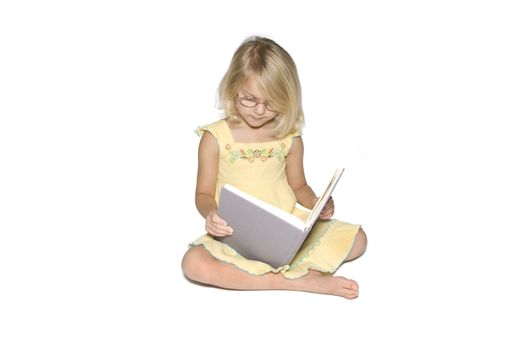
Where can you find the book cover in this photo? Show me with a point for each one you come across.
(264, 232)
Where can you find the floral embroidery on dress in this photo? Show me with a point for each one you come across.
(252, 154)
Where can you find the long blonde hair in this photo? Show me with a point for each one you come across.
(276, 72)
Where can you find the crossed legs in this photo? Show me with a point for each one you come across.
(200, 266)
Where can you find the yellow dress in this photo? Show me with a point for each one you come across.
(259, 169)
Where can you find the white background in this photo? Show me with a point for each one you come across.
(420, 102)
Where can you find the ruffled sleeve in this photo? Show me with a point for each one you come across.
(203, 128)
(218, 129)
(295, 134)
(289, 140)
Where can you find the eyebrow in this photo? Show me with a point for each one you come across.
(251, 94)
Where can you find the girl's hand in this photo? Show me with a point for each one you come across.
(328, 210)
(216, 226)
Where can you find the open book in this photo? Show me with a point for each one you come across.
(264, 232)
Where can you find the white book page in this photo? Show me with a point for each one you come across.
(318, 207)
(291, 219)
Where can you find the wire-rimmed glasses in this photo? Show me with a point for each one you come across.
(250, 102)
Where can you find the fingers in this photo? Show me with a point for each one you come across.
(328, 210)
(326, 215)
(216, 226)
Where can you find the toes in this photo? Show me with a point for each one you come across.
(350, 294)
(351, 284)
(351, 289)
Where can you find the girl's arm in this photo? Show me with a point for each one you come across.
(206, 186)
(296, 178)
(296, 175)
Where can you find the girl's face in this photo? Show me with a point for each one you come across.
(252, 106)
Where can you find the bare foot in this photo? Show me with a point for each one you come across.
(317, 282)
(199, 266)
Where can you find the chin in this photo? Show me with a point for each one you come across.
(256, 122)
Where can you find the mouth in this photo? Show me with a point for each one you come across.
(256, 118)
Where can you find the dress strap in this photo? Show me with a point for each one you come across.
(289, 140)
(219, 129)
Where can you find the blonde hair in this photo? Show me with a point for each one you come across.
(277, 77)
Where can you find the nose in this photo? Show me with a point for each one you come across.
(260, 108)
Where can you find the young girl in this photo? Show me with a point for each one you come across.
(257, 148)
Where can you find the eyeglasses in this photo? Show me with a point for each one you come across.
(249, 102)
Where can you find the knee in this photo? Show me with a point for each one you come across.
(359, 247)
(361, 239)
(193, 264)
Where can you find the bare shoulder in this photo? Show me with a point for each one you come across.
(294, 164)
(208, 154)
(208, 143)
(296, 146)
